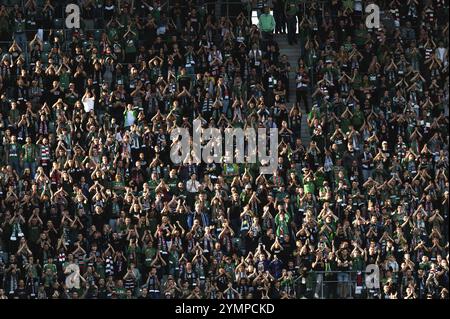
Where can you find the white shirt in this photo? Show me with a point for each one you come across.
(440, 52)
(192, 186)
(73, 277)
(130, 118)
(88, 103)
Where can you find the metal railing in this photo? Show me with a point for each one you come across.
(333, 285)
(225, 7)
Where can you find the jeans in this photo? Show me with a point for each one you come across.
(366, 174)
(31, 166)
(343, 277)
(190, 70)
(343, 284)
(319, 282)
(226, 107)
(15, 164)
(112, 224)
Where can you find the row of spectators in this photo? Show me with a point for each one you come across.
(91, 206)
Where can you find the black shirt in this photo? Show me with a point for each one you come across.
(21, 293)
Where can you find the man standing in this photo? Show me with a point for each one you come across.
(192, 186)
(19, 30)
(291, 11)
(284, 69)
(302, 81)
(29, 156)
(266, 23)
(13, 153)
(45, 154)
(278, 13)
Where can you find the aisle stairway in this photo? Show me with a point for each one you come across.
(293, 54)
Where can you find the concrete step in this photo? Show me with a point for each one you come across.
(293, 53)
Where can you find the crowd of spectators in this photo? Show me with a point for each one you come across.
(91, 206)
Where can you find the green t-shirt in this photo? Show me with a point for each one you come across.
(319, 178)
(291, 7)
(309, 187)
(172, 183)
(358, 263)
(52, 267)
(152, 184)
(280, 196)
(29, 153)
(121, 293)
(245, 197)
(425, 266)
(149, 255)
(282, 225)
(100, 269)
(360, 36)
(345, 123)
(358, 119)
(118, 187)
(64, 80)
(19, 26)
(267, 22)
(112, 34)
(14, 115)
(156, 14)
(315, 112)
(70, 99)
